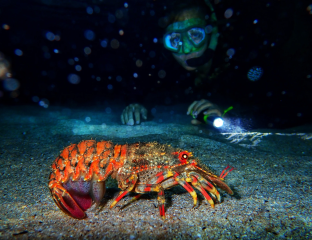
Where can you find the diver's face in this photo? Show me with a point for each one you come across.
(186, 38)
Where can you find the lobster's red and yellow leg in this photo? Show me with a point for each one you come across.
(225, 171)
(188, 188)
(206, 185)
(198, 186)
(131, 181)
(67, 203)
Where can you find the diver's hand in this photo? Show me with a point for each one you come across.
(137, 110)
(203, 105)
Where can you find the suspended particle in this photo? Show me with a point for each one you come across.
(5, 26)
(155, 40)
(152, 13)
(119, 78)
(104, 43)
(135, 75)
(152, 54)
(11, 84)
(35, 99)
(126, 5)
(208, 29)
(119, 13)
(255, 73)
(161, 73)
(228, 13)
(230, 52)
(153, 66)
(98, 79)
(56, 51)
(57, 37)
(139, 63)
(111, 18)
(50, 36)
(255, 21)
(108, 110)
(121, 32)
(87, 119)
(44, 103)
(109, 86)
(76, 59)
(78, 68)
(89, 10)
(114, 44)
(73, 78)
(87, 50)
(89, 34)
(71, 61)
(90, 65)
(18, 52)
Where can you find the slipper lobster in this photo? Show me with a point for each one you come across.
(78, 174)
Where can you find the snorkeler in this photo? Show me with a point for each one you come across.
(191, 36)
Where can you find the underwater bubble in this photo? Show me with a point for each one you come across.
(89, 10)
(119, 78)
(18, 52)
(87, 119)
(50, 36)
(109, 86)
(152, 54)
(228, 13)
(155, 40)
(111, 18)
(161, 73)
(230, 52)
(255, 73)
(104, 43)
(114, 44)
(87, 50)
(135, 75)
(11, 84)
(138, 63)
(73, 78)
(89, 34)
(78, 68)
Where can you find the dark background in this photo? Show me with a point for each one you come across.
(281, 98)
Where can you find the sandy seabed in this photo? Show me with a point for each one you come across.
(272, 179)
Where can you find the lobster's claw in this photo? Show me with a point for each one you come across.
(68, 204)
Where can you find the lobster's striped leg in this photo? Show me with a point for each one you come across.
(207, 185)
(198, 186)
(132, 180)
(188, 188)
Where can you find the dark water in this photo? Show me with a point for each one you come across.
(68, 69)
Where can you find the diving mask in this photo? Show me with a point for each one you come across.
(185, 34)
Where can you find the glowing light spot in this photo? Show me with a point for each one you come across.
(126, 5)
(18, 52)
(109, 86)
(5, 26)
(152, 54)
(11, 84)
(78, 68)
(104, 43)
(119, 78)
(255, 21)
(87, 50)
(121, 32)
(218, 122)
(87, 119)
(161, 73)
(50, 36)
(56, 51)
(73, 78)
(255, 73)
(208, 29)
(155, 40)
(135, 75)
(138, 63)
(228, 13)
(111, 18)
(89, 10)
(114, 44)
(89, 34)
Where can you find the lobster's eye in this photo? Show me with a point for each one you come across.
(184, 156)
